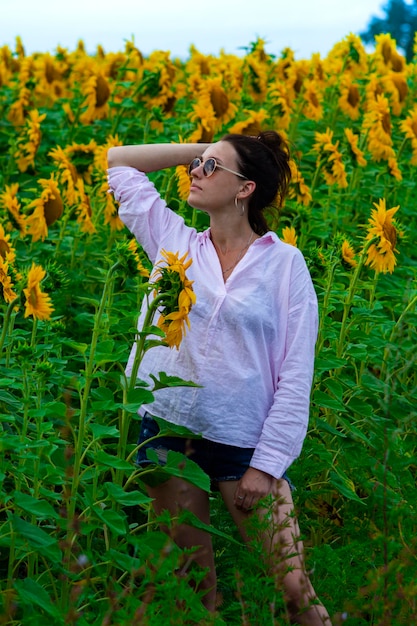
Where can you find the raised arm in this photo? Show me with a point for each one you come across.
(153, 157)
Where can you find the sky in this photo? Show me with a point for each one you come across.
(306, 26)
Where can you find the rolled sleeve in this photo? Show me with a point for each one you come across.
(142, 209)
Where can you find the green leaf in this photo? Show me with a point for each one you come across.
(325, 364)
(12, 442)
(100, 432)
(31, 593)
(37, 538)
(181, 466)
(167, 429)
(108, 352)
(355, 432)
(165, 381)
(39, 508)
(126, 498)
(9, 399)
(74, 345)
(125, 562)
(109, 460)
(344, 485)
(136, 398)
(361, 407)
(56, 409)
(84, 300)
(322, 425)
(187, 517)
(334, 387)
(327, 402)
(112, 519)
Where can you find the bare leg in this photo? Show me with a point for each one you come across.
(283, 551)
(175, 495)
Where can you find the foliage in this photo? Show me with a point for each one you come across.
(77, 543)
(400, 20)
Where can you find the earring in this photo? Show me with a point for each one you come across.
(242, 209)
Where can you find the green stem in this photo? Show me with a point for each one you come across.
(408, 308)
(141, 338)
(325, 306)
(34, 329)
(79, 437)
(351, 294)
(6, 322)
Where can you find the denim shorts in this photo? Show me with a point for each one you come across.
(220, 461)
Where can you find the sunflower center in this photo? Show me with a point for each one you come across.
(386, 123)
(219, 101)
(4, 248)
(102, 91)
(386, 52)
(390, 234)
(52, 210)
(33, 297)
(314, 100)
(353, 96)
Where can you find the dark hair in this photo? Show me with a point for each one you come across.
(265, 160)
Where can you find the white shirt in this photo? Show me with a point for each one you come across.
(252, 338)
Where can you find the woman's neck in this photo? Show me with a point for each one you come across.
(228, 235)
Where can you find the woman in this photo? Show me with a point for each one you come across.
(250, 346)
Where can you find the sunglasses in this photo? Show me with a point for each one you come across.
(210, 165)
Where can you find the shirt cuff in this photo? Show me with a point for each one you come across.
(275, 465)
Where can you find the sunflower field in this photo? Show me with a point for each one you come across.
(78, 544)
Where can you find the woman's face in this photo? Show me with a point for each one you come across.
(216, 193)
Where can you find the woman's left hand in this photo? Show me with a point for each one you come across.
(253, 486)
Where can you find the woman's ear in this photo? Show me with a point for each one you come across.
(246, 190)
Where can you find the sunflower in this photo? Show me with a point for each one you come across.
(349, 99)
(84, 213)
(82, 156)
(177, 296)
(330, 159)
(183, 182)
(347, 55)
(386, 54)
(213, 106)
(313, 98)
(289, 235)
(97, 91)
(356, 153)
(47, 209)
(203, 113)
(381, 254)
(10, 202)
(298, 187)
(395, 84)
(279, 105)
(111, 215)
(7, 252)
(24, 100)
(29, 141)
(377, 123)
(348, 254)
(6, 285)
(256, 75)
(67, 174)
(393, 168)
(38, 304)
(409, 128)
(133, 250)
(252, 125)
